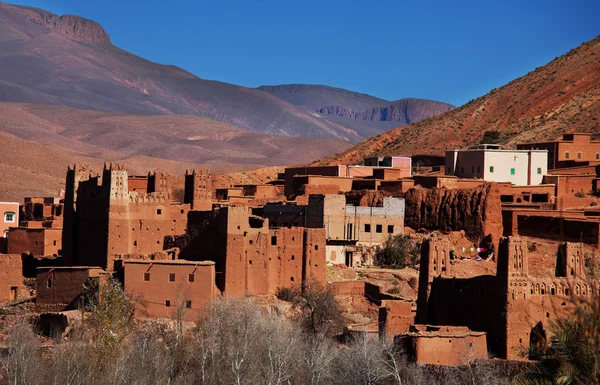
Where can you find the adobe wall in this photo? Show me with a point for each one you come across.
(451, 348)
(290, 172)
(396, 187)
(103, 217)
(62, 286)
(198, 189)
(552, 226)
(532, 300)
(11, 278)
(250, 258)
(35, 241)
(395, 317)
(355, 288)
(306, 185)
(314, 259)
(569, 185)
(149, 284)
(476, 211)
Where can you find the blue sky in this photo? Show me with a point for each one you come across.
(450, 51)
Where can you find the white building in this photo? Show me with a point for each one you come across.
(492, 163)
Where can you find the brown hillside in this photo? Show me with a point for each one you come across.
(39, 141)
(562, 96)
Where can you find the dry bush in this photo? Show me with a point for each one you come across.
(318, 311)
(21, 361)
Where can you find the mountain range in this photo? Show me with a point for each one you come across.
(67, 92)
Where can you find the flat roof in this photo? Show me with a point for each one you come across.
(495, 150)
(169, 262)
(69, 268)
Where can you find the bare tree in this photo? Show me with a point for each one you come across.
(22, 361)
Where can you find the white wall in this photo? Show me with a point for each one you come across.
(505, 161)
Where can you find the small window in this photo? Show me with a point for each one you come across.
(9, 216)
(512, 171)
(478, 168)
(567, 154)
(49, 283)
(316, 247)
(539, 170)
(578, 154)
(135, 243)
(168, 303)
(379, 228)
(188, 304)
(390, 229)
(367, 228)
(171, 277)
(158, 211)
(191, 278)
(462, 170)
(273, 240)
(54, 242)
(597, 155)
(146, 277)
(491, 168)
(473, 170)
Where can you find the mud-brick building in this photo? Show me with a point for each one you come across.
(251, 258)
(168, 289)
(491, 162)
(9, 217)
(569, 150)
(511, 305)
(352, 232)
(104, 217)
(438, 345)
(11, 278)
(39, 232)
(62, 287)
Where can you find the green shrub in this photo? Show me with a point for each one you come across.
(286, 293)
(397, 252)
(491, 137)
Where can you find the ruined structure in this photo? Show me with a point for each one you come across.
(251, 258)
(506, 305)
(443, 345)
(103, 217)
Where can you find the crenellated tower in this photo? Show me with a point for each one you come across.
(198, 189)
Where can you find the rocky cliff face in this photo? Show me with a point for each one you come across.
(404, 111)
(74, 27)
(477, 211)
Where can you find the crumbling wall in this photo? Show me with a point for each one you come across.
(395, 317)
(477, 211)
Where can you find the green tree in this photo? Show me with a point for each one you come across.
(397, 252)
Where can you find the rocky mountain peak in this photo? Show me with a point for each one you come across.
(74, 27)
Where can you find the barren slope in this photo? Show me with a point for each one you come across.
(562, 96)
(41, 140)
